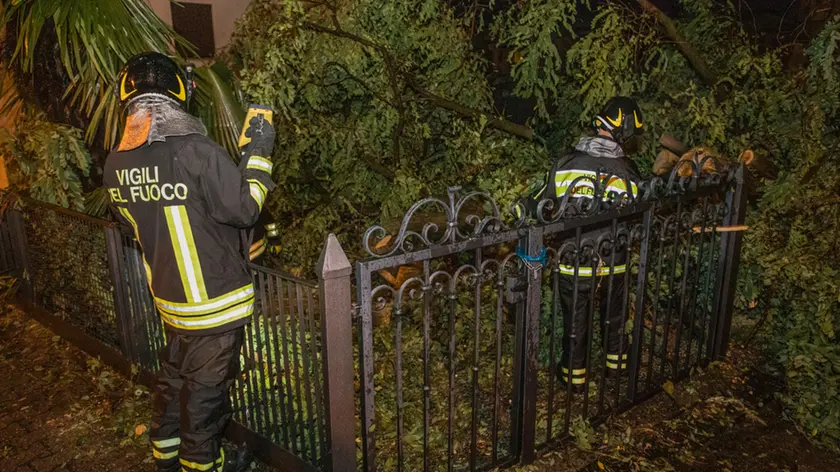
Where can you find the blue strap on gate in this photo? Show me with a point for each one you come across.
(525, 257)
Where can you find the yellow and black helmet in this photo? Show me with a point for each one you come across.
(152, 73)
(622, 118)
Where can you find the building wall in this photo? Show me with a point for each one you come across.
(225, 14)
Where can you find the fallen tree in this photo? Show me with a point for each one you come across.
(379, 107)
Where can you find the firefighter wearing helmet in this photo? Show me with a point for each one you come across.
(187, 203)
(601, 155)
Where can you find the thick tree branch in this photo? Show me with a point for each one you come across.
(451, 105)
(343, 34)
(697, 62)
(673, 144)
(461, 109)
(379, 168)
(760, 165)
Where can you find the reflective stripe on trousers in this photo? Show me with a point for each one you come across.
(191, 399)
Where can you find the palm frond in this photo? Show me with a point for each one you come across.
(218, 106)
(95, 38)
(96, 202)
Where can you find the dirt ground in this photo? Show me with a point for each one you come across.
(61, 410)
(726, 418)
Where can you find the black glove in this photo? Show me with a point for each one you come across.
(262, 136)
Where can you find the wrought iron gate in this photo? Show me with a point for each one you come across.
(460, 351)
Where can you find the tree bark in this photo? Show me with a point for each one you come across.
(761, 166)
(672, 144)
(697, 62)
(669, 155)
(385, 172)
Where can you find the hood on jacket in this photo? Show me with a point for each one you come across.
(154, 118)
(600, 147)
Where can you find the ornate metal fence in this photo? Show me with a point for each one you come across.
(464, 350)
(470, 355)
(86, 278)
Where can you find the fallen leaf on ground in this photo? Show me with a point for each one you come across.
(669, 388)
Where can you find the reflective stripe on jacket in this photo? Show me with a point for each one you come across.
(187, 203)
(575, 173)
(593, 158)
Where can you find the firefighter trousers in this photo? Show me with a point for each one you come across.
(577, 310)
(191, 400)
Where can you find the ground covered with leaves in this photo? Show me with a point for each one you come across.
(727, 418)
(61, 410)
(64, 411)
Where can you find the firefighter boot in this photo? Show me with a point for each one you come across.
(238, 460)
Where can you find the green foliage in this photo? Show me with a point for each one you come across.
(96, 203)
(91, 52)
(792, 251)
(382, 103)
(791, 248)
(532, 33)
(583, 433)
(451, 323)
(82, 59)
(70, 273)
(218, 104)
(46, 160)
(364, 132)
(365, 94)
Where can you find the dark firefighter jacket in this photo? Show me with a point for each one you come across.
(188, 202)
(592, 157)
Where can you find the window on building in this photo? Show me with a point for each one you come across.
(194, 21)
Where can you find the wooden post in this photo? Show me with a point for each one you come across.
(337, 336)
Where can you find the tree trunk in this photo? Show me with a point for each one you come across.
(761, 166)
(697, 62)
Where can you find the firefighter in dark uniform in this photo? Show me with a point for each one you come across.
(619, 121)
(187, 203)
